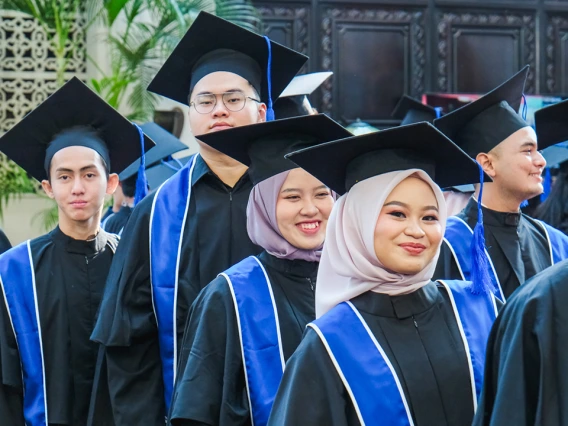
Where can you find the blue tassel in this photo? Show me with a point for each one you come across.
(525, 108)
(269, 111)
(438, 111)
(481, 281)
(141, 182)
(547, 185)
(524, 204)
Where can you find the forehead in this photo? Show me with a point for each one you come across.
(520, 137)
(300, 179)
(220, 82)
(75, 157)
(412, 190)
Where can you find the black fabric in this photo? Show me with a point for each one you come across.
(215, 238)
(108, 212)
(292, 106)
(230, 61)
(73, 105)
(5, 244)
(410, 110)
(526, 369)
(211, 386)
(70, 277)
(262, 146)
(516, 244)
(421, 338)
(332, 162)
(118, 221)
(550, 124)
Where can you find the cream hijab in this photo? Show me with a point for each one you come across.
(349, 266)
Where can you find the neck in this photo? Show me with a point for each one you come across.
(497, 199)
(226, 168)
(128, 201)
(80, 230)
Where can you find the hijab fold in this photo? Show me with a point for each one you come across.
(262, 225)
(349, 266)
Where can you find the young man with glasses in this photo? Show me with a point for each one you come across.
(194, 227)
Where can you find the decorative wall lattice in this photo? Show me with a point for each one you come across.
(28, 65)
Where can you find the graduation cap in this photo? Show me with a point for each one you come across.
(483, 124)
(166, 145)
(262, 146)
(213, 44)
(73, 116)
(551, 124)
(163, 170)
(341, 164)
(555, 154)
(411, 110)
(293, 102)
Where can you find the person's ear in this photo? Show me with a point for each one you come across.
(261, 113)
(46, 185)
(487, 162)
(112, 183)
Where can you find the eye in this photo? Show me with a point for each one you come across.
(398, 214)
(63, 177)
(430, 218)
(91, 175)
(293, 197)
(323, 194)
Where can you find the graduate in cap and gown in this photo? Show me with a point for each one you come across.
(294, 102)
(166, 145)
(194, 226)
(389, 345)
(74, 143)
(526, 366)
(517, 247)
(245, 324)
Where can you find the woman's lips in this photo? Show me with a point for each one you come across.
(79, 204)
(309, 228)
(413, 248)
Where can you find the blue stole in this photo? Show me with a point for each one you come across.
(167, 222)
(459, 237)
(368, 374)
(17, 279)
(259, 330)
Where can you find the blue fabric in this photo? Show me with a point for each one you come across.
(260, 335)
(141, 182)
(558, 243)
(476, 314)
(459, 237)
(269, 110)
(366, 371)
(547, 185)
(167, 222)
(18, 284)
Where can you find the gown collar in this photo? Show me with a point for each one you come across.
(400, 307)
(492, 217)
(71, 245)
(300, 268)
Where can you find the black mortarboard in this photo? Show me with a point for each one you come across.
(342, 163)
(166, 145)
(551, 124)
(411, 110)
(262, 146)
(73, 116)
(163, 170)
(555, 154)
(293, 102)
(483, 124)
(213, 44)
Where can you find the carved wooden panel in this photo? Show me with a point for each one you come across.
(556, 56)
(479, 50)
(287, 25)
(377, 55)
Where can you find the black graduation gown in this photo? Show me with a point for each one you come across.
(117, 221)
(526, 368)
(70, 277)
(419, 335)
(215, 237)
(516, 244)
(211, 388)
(4, 242)
(107, 214)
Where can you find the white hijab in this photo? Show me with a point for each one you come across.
(349, 266)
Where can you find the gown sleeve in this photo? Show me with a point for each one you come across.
(524, 382)
(126, 327)
(210, 387)
(311, 392)
(11, 390)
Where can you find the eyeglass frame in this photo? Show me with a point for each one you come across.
(222, 95)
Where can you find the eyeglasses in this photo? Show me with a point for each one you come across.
(233, 101)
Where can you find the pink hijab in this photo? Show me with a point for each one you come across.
(262, 226)
(349, 266)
